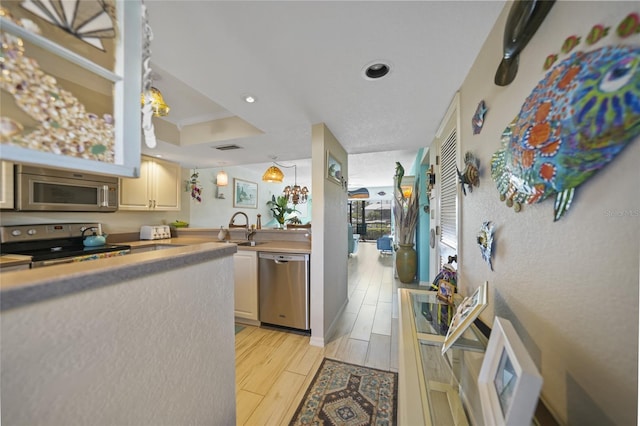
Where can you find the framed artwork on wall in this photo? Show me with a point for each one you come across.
(466, 313)
(245, 194)
(333, 169)
(509, 383)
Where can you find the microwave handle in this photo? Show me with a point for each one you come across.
(105, 196)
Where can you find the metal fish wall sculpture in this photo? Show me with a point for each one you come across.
(574, 122)
(471, 174)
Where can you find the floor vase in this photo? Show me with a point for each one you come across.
(406, 263)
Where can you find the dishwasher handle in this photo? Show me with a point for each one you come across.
(284, 257)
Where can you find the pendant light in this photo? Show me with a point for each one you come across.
(295, 194)
(160, 109)
(273, 174)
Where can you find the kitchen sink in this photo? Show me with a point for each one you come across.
(246, 243)
(250, 243)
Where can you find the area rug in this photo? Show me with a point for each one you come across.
(239, 328)
(348, 394)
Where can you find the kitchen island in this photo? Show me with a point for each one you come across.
(133, 339)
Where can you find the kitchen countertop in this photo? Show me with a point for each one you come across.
(14, 260)
(268, 246)
(19, 288)
(33, 285)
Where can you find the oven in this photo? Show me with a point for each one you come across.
(52, 244)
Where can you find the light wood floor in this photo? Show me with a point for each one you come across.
(274, 368)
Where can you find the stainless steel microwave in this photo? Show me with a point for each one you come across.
(41, 189)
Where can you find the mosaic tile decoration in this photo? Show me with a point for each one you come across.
(348, 394)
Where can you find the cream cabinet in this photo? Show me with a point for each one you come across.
(245, 265)
(157, 188)
(6, 185)
(98, 83)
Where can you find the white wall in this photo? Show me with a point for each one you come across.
(570, 287)
(213, 212)
(329, 243)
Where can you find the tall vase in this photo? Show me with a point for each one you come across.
(406, 263)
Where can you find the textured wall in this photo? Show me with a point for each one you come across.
(329, 270)
(153, 351)
(570, 287)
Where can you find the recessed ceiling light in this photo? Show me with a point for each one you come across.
(159, 155)
(250, 99)
(376, 69)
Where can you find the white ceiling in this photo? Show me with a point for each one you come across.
(304, 61)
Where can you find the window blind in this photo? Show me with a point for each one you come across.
(449, 192)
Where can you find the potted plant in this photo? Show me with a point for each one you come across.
(279, 207)
(405, 214)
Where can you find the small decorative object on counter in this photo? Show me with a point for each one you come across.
(485, 241)
(259, 222)
(471, 174)
(222, 235)
(574, 122)
(179, 224)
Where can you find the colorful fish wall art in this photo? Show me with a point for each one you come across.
(471, 174)
(574, 122)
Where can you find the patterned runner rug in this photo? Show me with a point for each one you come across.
(348, 394)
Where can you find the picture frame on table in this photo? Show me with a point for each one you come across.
(245, 194)
(509, 382)
(446, 291)
(466, 313)
(333, 169)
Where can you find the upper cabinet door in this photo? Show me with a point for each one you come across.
(71, 84)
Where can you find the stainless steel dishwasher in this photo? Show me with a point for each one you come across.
(284, 289)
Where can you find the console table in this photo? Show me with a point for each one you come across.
(436, 389)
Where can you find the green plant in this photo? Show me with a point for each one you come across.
(279, 207)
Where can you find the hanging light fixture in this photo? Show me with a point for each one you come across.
(273, 174)
(160, 109)
(295, 194)
(222, 179)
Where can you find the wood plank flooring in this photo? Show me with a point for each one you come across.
(274, 368)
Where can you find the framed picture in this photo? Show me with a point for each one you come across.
(466, 313)
(509, 383)
(245, 194)
(445, 291)
(334, 169)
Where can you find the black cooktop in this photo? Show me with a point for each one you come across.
(58, 249)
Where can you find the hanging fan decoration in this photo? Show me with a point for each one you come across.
(88, 20)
